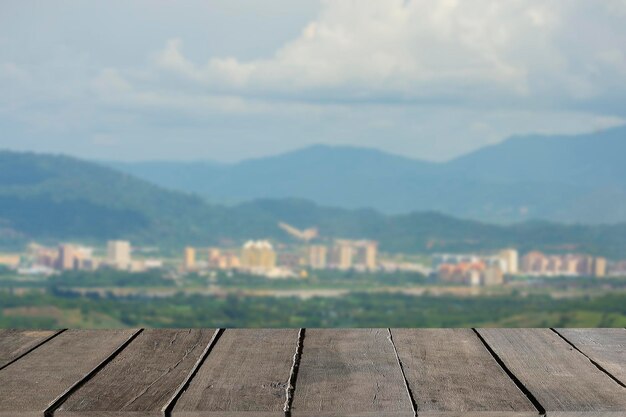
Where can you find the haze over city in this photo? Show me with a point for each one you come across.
(228, 80)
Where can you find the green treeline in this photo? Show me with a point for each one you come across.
(354, 310)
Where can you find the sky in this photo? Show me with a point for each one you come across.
(226, 80)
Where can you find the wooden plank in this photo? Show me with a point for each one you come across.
(557, 375)
(606, 347)
(350, 373)
(16, 343)
(35, 382)
(586, 414)
(246, 373)
(450, 373)
(143, 378)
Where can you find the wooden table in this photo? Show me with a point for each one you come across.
(313, 372)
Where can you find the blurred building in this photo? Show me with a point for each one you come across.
(467, 273)
(554, 265)
(453, 259)
(118, 254)
(289, 260)
(229, 261)
(360, 254)
(189, 259)
(599, 267)
(471, 273)
(10, 260)
(318, 256)
(67, 258)
(46, 257)
(534, 263)
(569, 265)
(367, 252)
(214, 255)
(223, 260)
(585, 265)
(258, 255)
(492, 276)
(343, 254)
(510, 261)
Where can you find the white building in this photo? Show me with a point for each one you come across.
(118, 254)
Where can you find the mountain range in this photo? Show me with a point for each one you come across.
(568, 179)
(49, 198)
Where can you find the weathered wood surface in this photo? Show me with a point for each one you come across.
(350, 373)
(16, 343)
(143, 378)
(32, 384)
(342, 372)
(245, 374)
(450, 372)
(557, 375)
(606, 347)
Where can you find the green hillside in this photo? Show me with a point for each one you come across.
(46, 197)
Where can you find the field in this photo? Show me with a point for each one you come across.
(109, 299)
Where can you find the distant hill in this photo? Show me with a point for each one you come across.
(560, 178)
(48, 197)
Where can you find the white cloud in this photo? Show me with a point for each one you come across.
(423, 49)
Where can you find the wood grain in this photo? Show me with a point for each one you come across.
(33, 383)
(560, 378)
(142, 378)
(450, 373)
(350, 373)
(606, 347)
(15, 343)
(245, 374)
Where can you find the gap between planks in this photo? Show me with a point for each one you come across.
(540, 409)
(167, 409)
(293, 373)
(406, 382)
(47, 339)
(595, 363)
(49, 412)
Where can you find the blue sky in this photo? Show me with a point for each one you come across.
(233, 79)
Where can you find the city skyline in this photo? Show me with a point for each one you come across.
(284, 261)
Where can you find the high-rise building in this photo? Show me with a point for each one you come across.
(569, 266)
(118, 254)
(318, 256)
(370, 252)
(492, 276)
(214, 256)
(586, 266)
(555, 264)
(534, 262)
(344, 253)
(599, 267)
(189, 259)
(258, 255)
(510, 258)
(67, 258)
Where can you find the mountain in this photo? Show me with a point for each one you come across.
(52, 197)
(590, 160)
(560, 178)
(327, 175)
